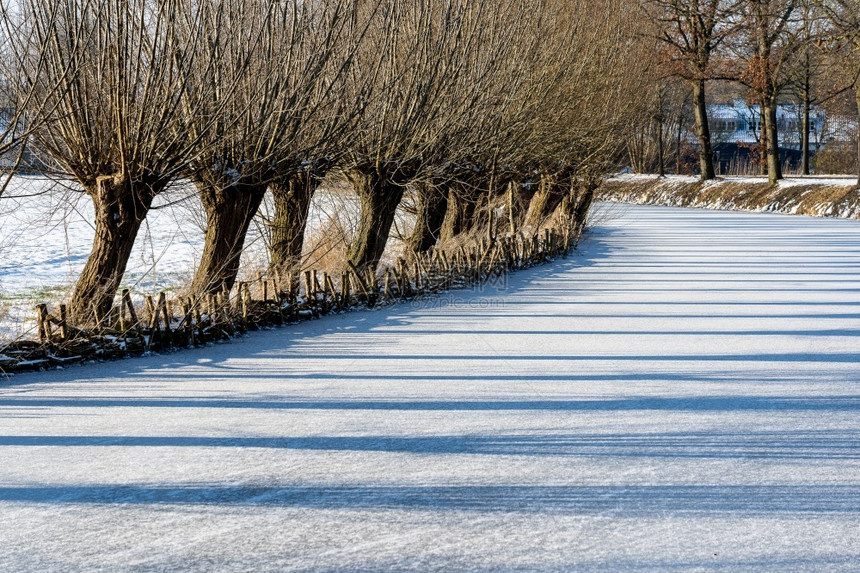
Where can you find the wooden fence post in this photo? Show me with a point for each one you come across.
(344, 290)
(64, 324)
(41, 312)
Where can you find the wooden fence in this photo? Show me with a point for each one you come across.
(163, 324)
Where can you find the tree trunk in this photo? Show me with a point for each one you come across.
(774, 167)
(458, 214)
(538, 203)
(120, 208)
(229, 212)
(857, 95)
(583, 205)
(479, 214)
(679, 142)
(518, 196)
(544, 203)
(761, 149)
(292, 206)
(661, 160)
(806, 129)
(379, 198)
(703, 130)
(432, 206)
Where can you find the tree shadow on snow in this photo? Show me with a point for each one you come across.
(777, 445)
(698, 501)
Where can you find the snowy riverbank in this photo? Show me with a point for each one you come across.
(816, 196)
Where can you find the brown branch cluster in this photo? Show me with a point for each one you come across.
(468, 108)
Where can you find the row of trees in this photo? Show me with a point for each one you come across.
(468, 104)
(806, 51)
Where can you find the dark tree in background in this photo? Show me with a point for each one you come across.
(694, 30)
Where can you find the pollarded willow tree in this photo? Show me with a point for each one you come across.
(563, 103)
(279, 130)
(582, 119)
(464, 100)
(425, 48)
(452, 155)
(534, 112)
(117, 124)
(455, 159)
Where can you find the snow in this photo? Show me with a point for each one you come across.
(791, 181)
(846, 181)
(682, 394)
(645, 177)
(46, 234)
(676, 191)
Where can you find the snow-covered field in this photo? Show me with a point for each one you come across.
(680, 395)
(46, 234)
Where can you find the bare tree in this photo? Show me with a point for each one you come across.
(550, 124)
(464, 152)
(23, 100)
(323, 133)
(277, 129)
(425, 47)
(118, 126)
(694, 30)
(582, 120)
(660, 127)
(809, 72)
(772, 35)
(844, 16)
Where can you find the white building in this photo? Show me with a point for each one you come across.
(740, 123)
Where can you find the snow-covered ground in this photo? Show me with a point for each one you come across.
(790, 181)
(46, 234)
(820, 196)
(680, 395)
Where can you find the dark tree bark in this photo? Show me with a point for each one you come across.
(678, 144)
(432, 206)
(857, 96)
(806, 122)
(544, 202)
(457, 213)
(229, 212)
(806, 128)
(768, 22)
(583, 205)
(120, 208)
(703, 130)
(774, 166)
(762, 139)
(661, 159)
(379, 197)
(292, 206)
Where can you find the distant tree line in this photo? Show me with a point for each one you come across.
(474, 107)
(804, 52)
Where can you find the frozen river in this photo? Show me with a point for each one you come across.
(681, 394)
